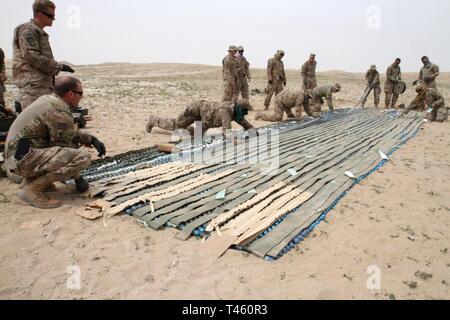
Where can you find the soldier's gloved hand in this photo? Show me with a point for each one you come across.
(67, 68)
(284, 83)
(97, 144)
(270, 81)
(415, 82)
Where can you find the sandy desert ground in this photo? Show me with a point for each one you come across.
(398, 219)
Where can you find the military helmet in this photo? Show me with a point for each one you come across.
(312, 55)
(232, 48)
(373, 67)
(281, 52)
(243, 103)
(337, 87)
(240, 48)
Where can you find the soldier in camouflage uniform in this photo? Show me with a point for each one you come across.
(316, 95)
(211, 115)
(42, 145)
(432, 99)
(393, 75)
(284, 103)
(309, 73)
(4, 111)
(276, 77)
(230, 75)
(373, 83)
(34, 67)
(2, 80)
(428, 73)
(244, 76)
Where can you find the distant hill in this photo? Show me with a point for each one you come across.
(334, 73)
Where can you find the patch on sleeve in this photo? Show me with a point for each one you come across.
(30, 40)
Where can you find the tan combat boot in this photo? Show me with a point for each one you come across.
(25, 181)
(152, 121)
(33, 194)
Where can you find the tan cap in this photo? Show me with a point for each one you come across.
(373, 66)
(240, 48)
(312, 55)
(337, 86)
(232, 48)
(280, 52)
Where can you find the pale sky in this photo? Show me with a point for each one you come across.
(346, 35)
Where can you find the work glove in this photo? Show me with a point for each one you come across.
(81, 184)
(415, 82)
(67, 68)
(97, 144)
(81, 121)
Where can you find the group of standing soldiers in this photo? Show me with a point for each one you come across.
(428, 97)
(236, 76)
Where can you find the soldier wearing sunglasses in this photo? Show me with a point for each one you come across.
(34, 67)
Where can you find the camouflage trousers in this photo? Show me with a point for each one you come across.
(242, 89)
(376, 96)
(58, 163)
(391, 96)
(280, 109)
(184, 121)
(439, 114)
(2, 92)
(273, 88)
(309, 84)
(391, 100)
(30, 93)
(229, 90)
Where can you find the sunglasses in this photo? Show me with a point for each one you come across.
(79, 92)
(51, 16)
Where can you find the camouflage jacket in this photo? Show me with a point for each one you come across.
(323, 92)
(309, 70)
(216, 115)
(230, 68)
(292, 99)
(46, 123)
(432, 99)
(429, 73)
(373, 77)
(243, 68)
(33, 61)
(393, 73)
(275, 70)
